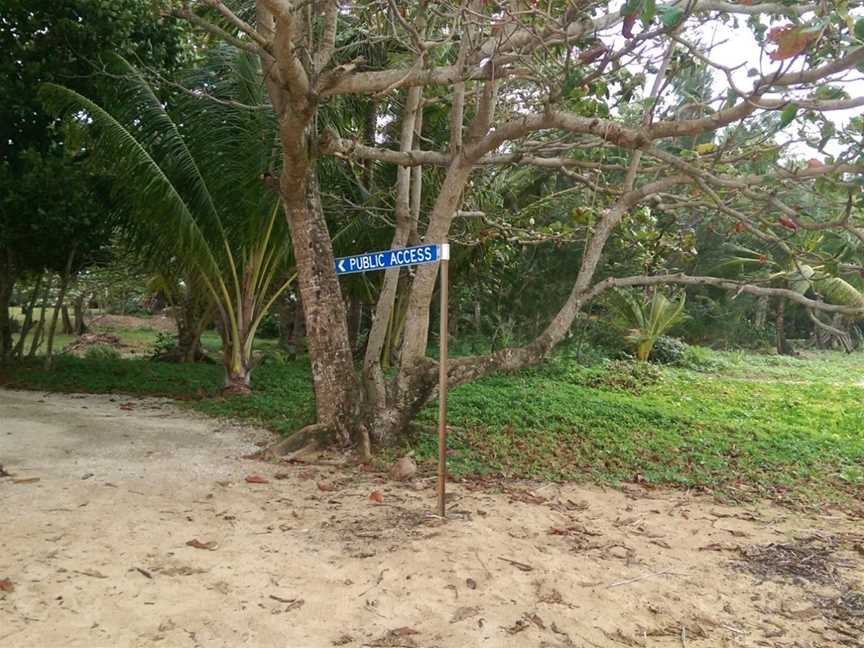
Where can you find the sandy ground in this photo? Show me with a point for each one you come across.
(96, 555)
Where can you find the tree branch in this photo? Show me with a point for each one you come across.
(727, 284)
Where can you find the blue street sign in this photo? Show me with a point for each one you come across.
(372, 261)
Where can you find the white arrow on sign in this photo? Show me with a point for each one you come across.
(341, 265)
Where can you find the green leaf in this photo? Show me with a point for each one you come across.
(649, 11)
(788, 115)
(632, 7)
(670, 16)
(859, 29)
(731, 97)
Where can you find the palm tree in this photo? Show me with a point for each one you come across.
(191, 172)
(644, 322)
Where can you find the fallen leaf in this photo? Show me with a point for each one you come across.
(256, 479)
(517, 627)
(403, 632)
(376, 496)
(197, 544)
(536, 620)
(327, 488)
(25, 480)
(471, 583)
(6, 585)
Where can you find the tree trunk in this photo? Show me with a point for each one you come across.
(7, 284)
(783, 346)
(237, 380)
(29, 308)
(78, 312)
(61, 295)
(332, 363)
(40, 327)
(355, 317)
(284, 308)
(191, 318)
(761, 313)
(67, 327)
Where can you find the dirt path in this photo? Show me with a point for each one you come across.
(96, 551)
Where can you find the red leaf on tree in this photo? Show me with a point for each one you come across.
(791, 40)
(256, 479)
(813, 163)
(788, 223)
(376, 496)
(627, 27)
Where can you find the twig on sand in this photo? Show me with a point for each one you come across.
(639, 578)
(518, 565)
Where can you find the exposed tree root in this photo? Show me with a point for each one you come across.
(319, 435)
(236, 389)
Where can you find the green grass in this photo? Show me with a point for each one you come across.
(749, 426)
(803, 440)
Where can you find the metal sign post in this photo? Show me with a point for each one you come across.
(418, 255)
(442, 381)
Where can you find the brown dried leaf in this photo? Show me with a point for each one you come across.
(256, 479)
(376, 496)
(6, 585)
(791, 40)
(327, 488)
(197, 544)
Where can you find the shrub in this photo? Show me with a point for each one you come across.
(164, 345)
(277, 357)
(625, 375)
(269, 326)
(702, 359)
(101, 352)
(667, 350)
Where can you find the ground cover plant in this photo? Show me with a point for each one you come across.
(749, 425)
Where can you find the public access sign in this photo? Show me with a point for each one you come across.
(372, 261)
